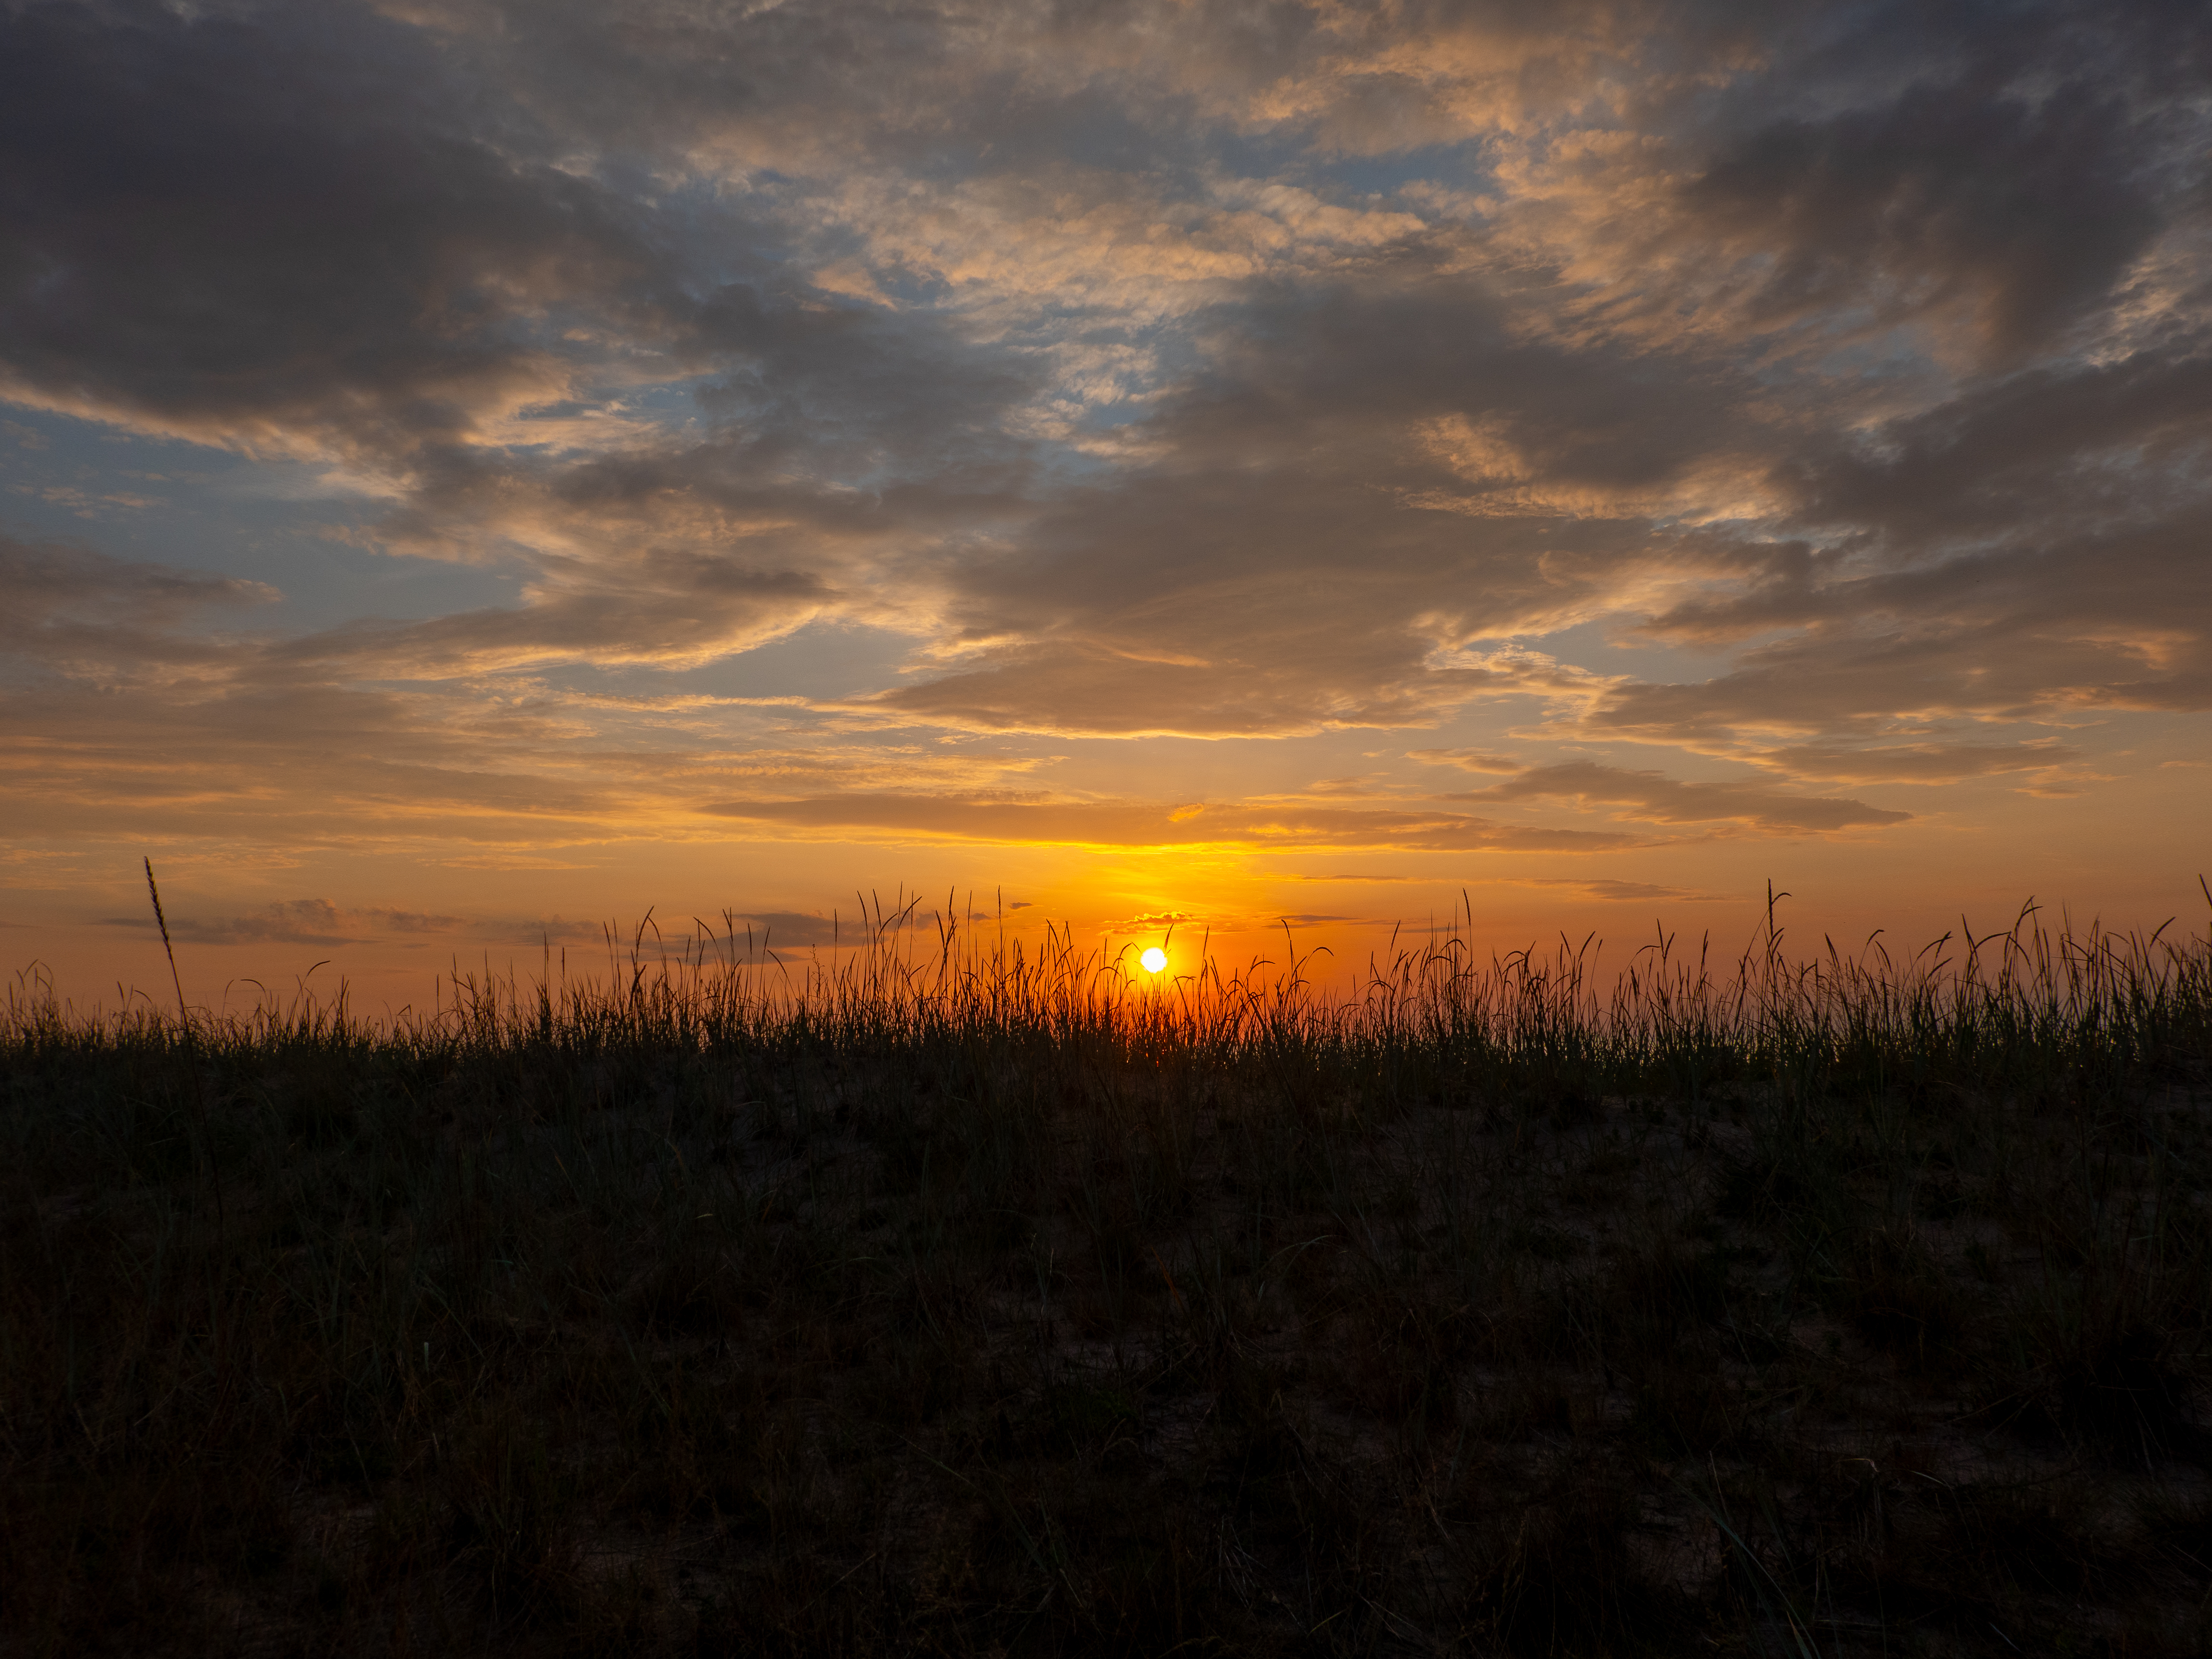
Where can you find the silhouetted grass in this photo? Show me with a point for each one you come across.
(945, 1296)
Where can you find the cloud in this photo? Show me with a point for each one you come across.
(674, 610)
(1470, 760)
(1623, 893)
(2021, 207)
(1596, 887)
(2117, 620)
(508, 862)
(69, 604)
(302, 922)
(319, 922)
(1192, 371)
(1652, 797)
(1928, 763)
(1362, 786)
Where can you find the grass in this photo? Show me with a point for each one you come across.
(950, 1297)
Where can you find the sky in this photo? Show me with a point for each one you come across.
(473, 471)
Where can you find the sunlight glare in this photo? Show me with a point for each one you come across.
(1154, 960)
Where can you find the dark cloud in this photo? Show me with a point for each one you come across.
(2118, 619)
(2104, 447)
(2025, 204)
(302, 922)
(1632, 892)
(763, 931)
(71, 610)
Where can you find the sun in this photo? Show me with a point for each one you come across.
(1154, 960)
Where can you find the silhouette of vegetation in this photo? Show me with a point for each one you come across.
(944, 1295)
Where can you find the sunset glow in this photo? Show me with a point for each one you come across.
(1304, 476)
(878, 827)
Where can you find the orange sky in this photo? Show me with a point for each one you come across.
(469, 471)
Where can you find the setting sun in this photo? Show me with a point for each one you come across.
(1155, 960)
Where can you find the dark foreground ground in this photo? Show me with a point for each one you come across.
(544, 1339)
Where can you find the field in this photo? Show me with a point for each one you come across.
(948, 1297)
